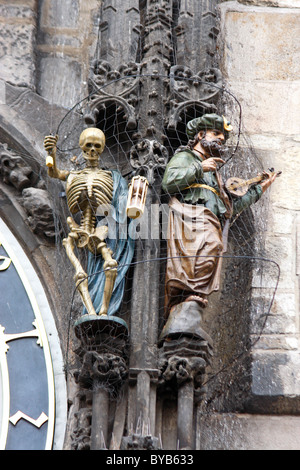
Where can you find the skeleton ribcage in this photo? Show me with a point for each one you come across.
(89, 188)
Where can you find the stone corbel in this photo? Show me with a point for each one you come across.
(182, 363)
(14, 170)
(185, 348)
(35, 198)
(140, 442)
(108, 369)
(102, 373)
(184, 360)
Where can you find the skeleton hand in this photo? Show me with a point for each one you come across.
(50, 147)
(50, 143)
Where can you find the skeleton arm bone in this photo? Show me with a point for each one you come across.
(50, 147)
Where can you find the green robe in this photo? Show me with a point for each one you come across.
(185, 169)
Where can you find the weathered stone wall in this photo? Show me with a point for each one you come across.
(47, 46)
(250, 432)
(17, 43)
(66, 34)
(260, 63)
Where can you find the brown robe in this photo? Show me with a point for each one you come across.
(195, 248)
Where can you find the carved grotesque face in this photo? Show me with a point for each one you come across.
(92, 143)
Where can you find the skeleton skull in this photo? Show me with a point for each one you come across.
(92, 142)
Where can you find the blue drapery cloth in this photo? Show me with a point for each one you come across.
(119, 242)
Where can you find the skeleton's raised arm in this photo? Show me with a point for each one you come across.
(50, 147)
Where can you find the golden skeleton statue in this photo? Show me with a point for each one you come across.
(86, 190)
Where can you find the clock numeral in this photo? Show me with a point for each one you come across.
(36, 422)
(4, 262)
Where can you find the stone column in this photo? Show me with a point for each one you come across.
(185, 353)
(103, 354)
(148, 157)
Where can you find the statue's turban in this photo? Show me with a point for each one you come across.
(206, 122)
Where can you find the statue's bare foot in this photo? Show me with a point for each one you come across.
(197, 298)
(103, 311)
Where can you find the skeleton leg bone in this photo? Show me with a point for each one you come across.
(80, 277)
(110, 271)
(109, 266)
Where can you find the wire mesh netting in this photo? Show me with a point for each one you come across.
(249, 279)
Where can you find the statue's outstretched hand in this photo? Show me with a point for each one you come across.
(270, 178)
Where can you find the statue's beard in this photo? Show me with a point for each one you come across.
(213, 148)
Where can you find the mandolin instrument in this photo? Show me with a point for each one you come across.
(239, 187)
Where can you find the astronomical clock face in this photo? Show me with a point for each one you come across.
(27, 397)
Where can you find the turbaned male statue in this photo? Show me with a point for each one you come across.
(199, 209)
